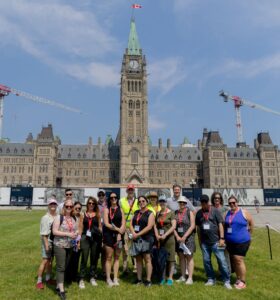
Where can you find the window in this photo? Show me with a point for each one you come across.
(137, 104)
(134, 156)
(130, 104)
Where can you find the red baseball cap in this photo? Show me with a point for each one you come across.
(130, 187)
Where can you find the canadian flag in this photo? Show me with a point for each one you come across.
(136, 6)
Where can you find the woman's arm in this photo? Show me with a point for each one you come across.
(191, 228)
(250, 221)
(57, 232)
(151, 223)
(170, 230)
(122, 229)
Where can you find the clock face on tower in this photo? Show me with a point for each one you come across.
(134, 64)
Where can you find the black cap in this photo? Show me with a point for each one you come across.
(204, 198)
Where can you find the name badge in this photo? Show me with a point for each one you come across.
(136, 228)
(102, 221)
(161, 232)
(229, 230)
(180, 229)
(206, 226)
(88, 234)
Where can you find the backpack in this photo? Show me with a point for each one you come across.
(51, 236)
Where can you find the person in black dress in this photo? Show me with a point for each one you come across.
(141, 227)
(113, 230)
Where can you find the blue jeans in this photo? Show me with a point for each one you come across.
(220, 255)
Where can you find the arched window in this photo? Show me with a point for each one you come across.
(140, 86)
(39, 179)
(138, 104)
(130, 104)
(134, 156)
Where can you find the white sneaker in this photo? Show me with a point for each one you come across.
(210, 282)
(116, 282)
(110, 283)
(227, 285)
(181, 279)
(81, 284)
(189, 281)
(93, 282)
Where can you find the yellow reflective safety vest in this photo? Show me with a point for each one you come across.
(154, 211)
(124, 204)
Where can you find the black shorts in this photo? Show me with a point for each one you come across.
(238, 249)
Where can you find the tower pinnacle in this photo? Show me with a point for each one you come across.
(133, 47)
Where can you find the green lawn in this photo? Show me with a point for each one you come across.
(20, 258)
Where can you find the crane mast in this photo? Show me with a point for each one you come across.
(238, 102)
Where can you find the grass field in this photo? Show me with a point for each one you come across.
(20, 258)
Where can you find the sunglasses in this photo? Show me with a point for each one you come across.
(217, 198)
(69, 194)
(113, 197)
(68, 206)
(232, 203)
(78, 208)
(101, 195)
(91, 203)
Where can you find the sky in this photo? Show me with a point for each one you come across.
(70, 51)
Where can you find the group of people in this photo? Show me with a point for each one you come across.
(151, 230)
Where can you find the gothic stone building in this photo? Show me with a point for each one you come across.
(45, 162)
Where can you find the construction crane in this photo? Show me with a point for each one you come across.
(5, 91)
(238, 102)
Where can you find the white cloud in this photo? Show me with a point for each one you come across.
(246, 69)
(55, 32)
(167, 73)
(155, 124)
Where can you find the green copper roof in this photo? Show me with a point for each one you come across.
(133, 42)
(186, 141)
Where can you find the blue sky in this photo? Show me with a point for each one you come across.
(71, 51)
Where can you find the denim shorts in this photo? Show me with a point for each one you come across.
(46, 254)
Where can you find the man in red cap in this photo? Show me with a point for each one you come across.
(129, 205)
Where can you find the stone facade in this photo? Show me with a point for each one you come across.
(131, 158)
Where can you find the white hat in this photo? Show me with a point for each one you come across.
(182, 199)
(52, 201)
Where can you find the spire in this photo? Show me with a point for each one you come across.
(133, 42)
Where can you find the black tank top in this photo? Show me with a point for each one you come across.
(116, 215)
(86, 223)
(142, 222)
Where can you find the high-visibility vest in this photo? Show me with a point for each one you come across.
(124, 204)
(154, 211)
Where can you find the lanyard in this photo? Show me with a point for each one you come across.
(89, 221)
(139, 216)
(231, 216)
(181, 216)
(206, 215)
(161, 221)
(111, 214)
(69, 224)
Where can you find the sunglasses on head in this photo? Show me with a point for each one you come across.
(68, 206)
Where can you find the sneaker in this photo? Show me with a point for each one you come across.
(62, 295)
(163, 282)
(227, 285)
(116, 282)
(39, 286)
(51, 282)
(147, 283)
(181, 279)
(237, 282)
(138, 282)
(210, 282)
(189, 281)
(82, 284)
(110, 283)
(93, 282)
(169, 282)
(241, 285)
